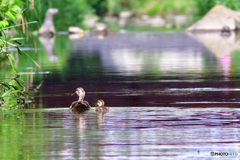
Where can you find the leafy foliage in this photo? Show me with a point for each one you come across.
(10, 12)
(12, 91)
(203, 6)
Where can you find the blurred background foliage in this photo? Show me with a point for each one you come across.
(203, 6)
(73, 12)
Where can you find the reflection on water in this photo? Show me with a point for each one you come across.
(141, 69)
(48, 44)
(144, 53)
(132, 133)
(172, 96)
(129, 62)
(221, 46)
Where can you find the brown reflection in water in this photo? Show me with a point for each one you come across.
(221, 46)
(100, 117)
(79, 115)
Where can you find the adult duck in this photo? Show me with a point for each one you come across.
(81, 104)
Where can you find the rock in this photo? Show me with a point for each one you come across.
(156, 22)
(75, 30)
(180, 20)
(218, 18)
(122, 22)
(100, 29)
(90, 21)
(123, 31)
(170, 17)
(125, 14)
(47, 29)
(169, 25)
(145, 17)
(109, 19)
(140, 22)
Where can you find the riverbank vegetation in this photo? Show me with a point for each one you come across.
(12, 90)
(75, 12)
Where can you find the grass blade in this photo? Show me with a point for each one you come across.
(19, 25)
(11, 63)
(22, 52)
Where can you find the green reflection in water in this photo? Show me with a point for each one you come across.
(20, 135)
(235, 67)
(48, 133)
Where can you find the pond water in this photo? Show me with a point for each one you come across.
(172, 95)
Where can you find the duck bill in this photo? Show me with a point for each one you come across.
(73, 94)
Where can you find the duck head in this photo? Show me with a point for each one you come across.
(100, 103)
(80, 92)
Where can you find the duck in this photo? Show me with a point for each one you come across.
(100, 107)
(80, 104)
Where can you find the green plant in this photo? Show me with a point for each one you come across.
(203, 6)
(11, 91)
(71, 12)
(10, 12)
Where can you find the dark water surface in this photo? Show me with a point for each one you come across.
(171, 96)
(144, 69)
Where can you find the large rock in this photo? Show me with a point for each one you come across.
(219, 18)
(156, 22)
(125, 14)
(90, 20)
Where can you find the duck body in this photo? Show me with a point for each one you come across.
(101, 108)
(81, 104)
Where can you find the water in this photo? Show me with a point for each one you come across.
(123, 133)
(171, 96)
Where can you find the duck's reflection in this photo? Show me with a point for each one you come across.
(48, 44)
(79, 115)
(100, 117)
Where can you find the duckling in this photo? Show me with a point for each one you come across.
(80, 105)
(100, 107)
